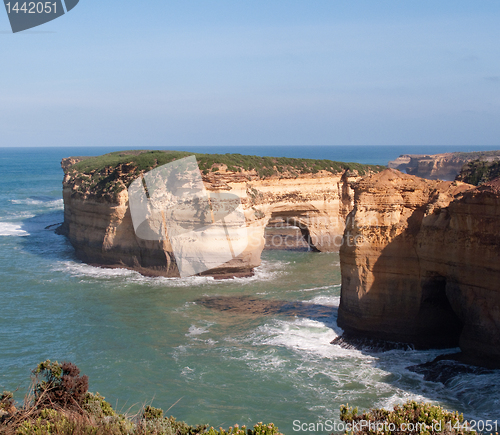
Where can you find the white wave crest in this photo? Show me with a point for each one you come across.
(302, 335)
(267, 271)
(12, 229)
(325, 287)
(329, 301)
(50, 203)
(196, 330)
(83, 270)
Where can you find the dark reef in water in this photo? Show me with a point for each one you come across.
(446, 367)
(252, 306)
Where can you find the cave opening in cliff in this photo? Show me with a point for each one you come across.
(436, 315)
(284, 232)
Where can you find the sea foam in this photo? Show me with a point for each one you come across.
(46, 202)
(12, 229)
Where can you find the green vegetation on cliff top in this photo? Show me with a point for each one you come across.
(479, 172)
(143, 161)
(107, 175)
(477, 155)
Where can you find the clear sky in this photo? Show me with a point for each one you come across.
(254, 72)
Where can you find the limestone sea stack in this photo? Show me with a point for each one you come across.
(421, 264)
(313, 195)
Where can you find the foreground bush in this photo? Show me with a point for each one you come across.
(58, 403)
(409, 418)
(62, 386)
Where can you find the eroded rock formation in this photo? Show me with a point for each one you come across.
(98, 222)
(444, 166)
(421, 264)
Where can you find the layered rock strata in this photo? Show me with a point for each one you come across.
(99, 225)
(444, 166)
(421, 264)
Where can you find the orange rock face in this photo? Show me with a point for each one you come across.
(444, 166)
(100, 227)
(421, 264)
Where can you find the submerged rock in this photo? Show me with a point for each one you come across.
(446, 367)
(346, 341)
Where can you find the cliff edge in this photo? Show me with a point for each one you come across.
(421, 264)
(314, 195)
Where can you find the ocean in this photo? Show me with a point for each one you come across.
(154, 341)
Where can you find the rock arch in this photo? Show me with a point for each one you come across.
(295, 232)
(317, 205)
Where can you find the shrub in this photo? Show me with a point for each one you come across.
(479, 172)
(95, 405)
(53, 422)
(409, 418)
(50, 409)
(152, 413)
(97, 417)
(62, 387)
(258, 429)
(6, 401)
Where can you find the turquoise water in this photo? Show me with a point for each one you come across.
(257, 350)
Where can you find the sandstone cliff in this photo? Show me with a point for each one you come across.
(444, 166)
(421, 264)
(98, 222)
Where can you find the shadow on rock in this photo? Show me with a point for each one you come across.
(369, 345)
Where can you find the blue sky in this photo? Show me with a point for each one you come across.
(248, 72)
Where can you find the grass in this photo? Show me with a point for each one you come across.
(141, 160)
(264, 166)
(109, 174)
